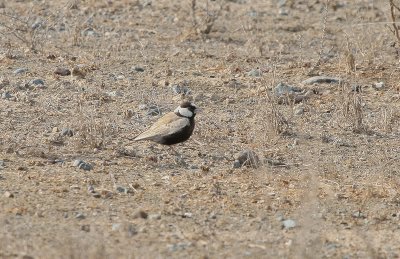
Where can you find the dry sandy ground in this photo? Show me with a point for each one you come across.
(333, 172)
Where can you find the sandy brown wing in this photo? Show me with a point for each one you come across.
(166, 125)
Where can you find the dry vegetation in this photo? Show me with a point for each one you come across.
(330, 163)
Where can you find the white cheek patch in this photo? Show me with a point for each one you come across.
(184, 112)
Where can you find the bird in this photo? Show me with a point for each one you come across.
(173, 128)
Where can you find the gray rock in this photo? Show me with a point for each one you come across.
(379, 86)
(67, 132)
(62, 71)
(79, 216)
(37, 82)
(6, 95)
(283, 89)
(247, 158)
(20, 71)
(77, 162)
(8, 194)
(254, 72)
(36, 25)
(138, 69)
(85, 228)
(116, 226)
(236, 164)
(321, 80)
(140, 214)
(124, 189)
(154, 216)
(82, 165)
(288, 224)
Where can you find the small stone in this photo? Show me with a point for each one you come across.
(237, 164)
(74, 187)
(36, 25)
(379, 86)
(154, 216)
(123, 189)
(254, 73)
(79, 216)
(85, 166)
(77, 162)
(299, 110)
(283, 89)
(90, 189)
(140, 214)
(96, 195)
(82, 165)
(359, 215)
(288, 224)
(116, 226)
(283, 11)
(114, 94)
(67, 132)
(321, 80)
(6, 95)
(38, 83)
(62, 71)
(138, 69)
(187, 215)
(248, 158)
(20, 71)
(89, 32)
(8, 194)
(85, 228)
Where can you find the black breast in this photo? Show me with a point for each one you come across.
(179, 136)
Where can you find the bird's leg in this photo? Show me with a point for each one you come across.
(178, 159)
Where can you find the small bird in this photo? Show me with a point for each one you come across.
(174, 127)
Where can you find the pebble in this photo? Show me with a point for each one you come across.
(38, 83)
(254, 72)
(379, 86)
(114, 94)
(6, 95)
(299, 110)
(140, 214)
(283, 89)
(138, 69)
(288, 224)
(187, 215)
(8, 194)
(20, 71)
(85, 228)
(67, 132)
(321, 80)
(79, 216)
(116, 226)
(123, 189)
(154, 216)
(89, 32)
(62, 71)
(82, 165)
(247, 158)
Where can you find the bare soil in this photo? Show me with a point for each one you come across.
(329, 163)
